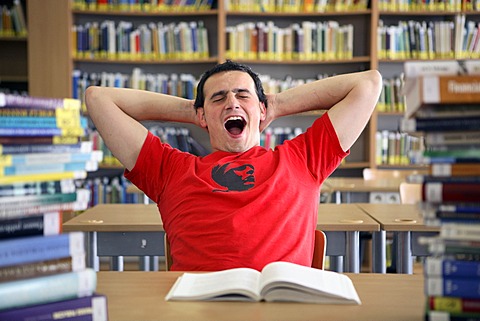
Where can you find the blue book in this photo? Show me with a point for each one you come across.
(47, 289)
(40, 248)
(88, 308)
(11, 149)
(41, 132)
(34, 122)
(45, 158)
(454, 287)
(22, 169)
(438, 266)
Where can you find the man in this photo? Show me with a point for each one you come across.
(242, 205)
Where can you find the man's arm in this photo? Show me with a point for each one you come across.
(117, 112)
(350, 100)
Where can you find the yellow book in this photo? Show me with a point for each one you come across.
(44, 177)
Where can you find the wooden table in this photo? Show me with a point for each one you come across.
(140, 296)
(406, 222)
(342, 223)
(118, 230)
(339, 185)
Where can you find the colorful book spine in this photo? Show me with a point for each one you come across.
(9, 100)
(454, 287)
(46, 158)
(36, 122)
(452, 304)
(14, 202)
(38, 188)
(463, 169)
(438, 192)
(73, 263)
(458, 231)
(14, 149)
(45, 224)
(43, 177)
(47, 289)
(440, 124)
(23, 169)
(435, 266)
(88, 308)
(40, 248)
(42, 132)
(451, 316)
(36, 140)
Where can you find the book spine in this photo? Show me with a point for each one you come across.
(451, 192)
(89, 308)
(38, 122)
(38, 209)
(458, 231)
(47, 289)
(48, 158)
(465, 169)
(23, 169)
(454, 287)
(13, 202)
(435, 266)
(36, 140)
(41, 132)
(40, 248)
(440, 124)
(455, 305)
(38, 188)
(42, 268)
(12, 149)
(45, 224)
(42, 177)
(8, 100)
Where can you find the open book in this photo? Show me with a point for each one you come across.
(278, 281)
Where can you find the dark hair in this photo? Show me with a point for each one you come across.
(228, 66)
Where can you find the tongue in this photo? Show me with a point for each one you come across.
(235, 131)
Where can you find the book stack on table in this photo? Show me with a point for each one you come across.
(446, 110)
(43, 275)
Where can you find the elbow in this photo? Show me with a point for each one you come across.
(375, 82)
(92, 97)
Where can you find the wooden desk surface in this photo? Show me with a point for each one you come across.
(358, 184)
(140, 296)
(140, 218)
(344, 217)
(397, 217)
(117, 218)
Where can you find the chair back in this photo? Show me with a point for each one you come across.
(410, 193)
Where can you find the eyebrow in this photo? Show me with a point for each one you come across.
(224, 92)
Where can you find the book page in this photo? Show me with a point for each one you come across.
(314, 284)
(234, 284)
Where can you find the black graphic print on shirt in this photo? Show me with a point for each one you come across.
(238, 179)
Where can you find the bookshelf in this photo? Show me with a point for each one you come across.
(13, 55)
(53, 56)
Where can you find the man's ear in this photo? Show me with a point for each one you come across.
(263, 112)
(201, 117)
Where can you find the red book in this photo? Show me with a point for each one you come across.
(437, 192)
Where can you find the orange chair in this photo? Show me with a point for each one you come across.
(318, 252)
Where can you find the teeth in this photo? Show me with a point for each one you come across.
(235, 118)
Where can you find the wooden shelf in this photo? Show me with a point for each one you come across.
(51, 55)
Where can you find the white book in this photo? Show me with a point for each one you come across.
(278, 281)
(459, 231)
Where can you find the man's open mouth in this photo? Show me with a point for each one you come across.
(235, 125)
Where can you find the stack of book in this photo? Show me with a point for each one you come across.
(446, 109)
(43, 275)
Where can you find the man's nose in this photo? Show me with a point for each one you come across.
(231, 101)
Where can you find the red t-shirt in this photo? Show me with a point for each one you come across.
(228, 210)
